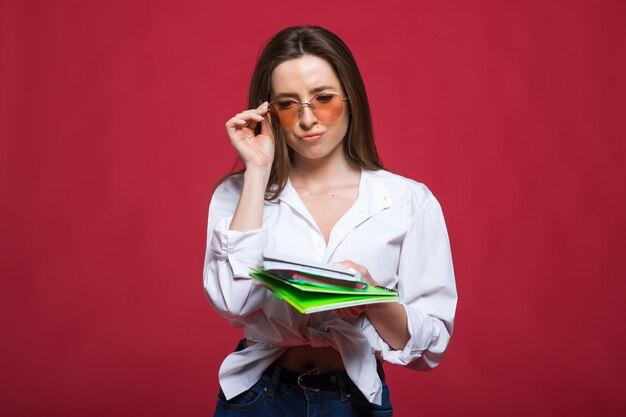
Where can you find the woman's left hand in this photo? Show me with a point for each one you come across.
(389, 319)
(356, 311)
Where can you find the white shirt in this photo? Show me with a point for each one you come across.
(395, 229)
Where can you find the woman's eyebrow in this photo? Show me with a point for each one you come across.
(322, 88)
(313, 91)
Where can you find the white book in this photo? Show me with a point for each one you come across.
(275, 261)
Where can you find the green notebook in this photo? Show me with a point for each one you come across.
(307, 298)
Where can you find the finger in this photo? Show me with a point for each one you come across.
(262, 110)
(266, 128)
(235, 122)
(351, 265)
(245, 119)
(249, 115)
(263, 107)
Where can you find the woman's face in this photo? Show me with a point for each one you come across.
(302, 79)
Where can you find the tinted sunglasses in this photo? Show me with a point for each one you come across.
(326, 106)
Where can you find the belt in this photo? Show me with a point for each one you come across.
(313, 379)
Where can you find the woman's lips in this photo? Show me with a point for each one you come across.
(312, 138)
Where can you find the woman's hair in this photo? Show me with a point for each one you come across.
(294, 42)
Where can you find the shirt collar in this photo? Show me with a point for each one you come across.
(373, 198)
(373, 195)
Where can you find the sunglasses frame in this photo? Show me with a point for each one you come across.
(301, 105)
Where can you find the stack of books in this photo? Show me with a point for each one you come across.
(311, 286)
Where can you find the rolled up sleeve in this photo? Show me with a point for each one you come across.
(229, 256)
(242, 250)
(427, 291)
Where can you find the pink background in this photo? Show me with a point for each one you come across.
(111, 126)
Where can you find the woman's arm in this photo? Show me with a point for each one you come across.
(389, 319)
(257, 153)
(249, 212)
(235, 234)
(418, 336)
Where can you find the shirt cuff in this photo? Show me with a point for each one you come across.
(421, 331)
(243, 250)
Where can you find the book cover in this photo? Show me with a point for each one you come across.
(304, 271)
(307, 298)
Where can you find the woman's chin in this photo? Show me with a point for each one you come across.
(312, 156)
(315, 153)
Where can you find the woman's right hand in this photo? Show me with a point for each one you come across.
(255, 151)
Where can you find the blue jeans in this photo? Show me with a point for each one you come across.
(271, 397)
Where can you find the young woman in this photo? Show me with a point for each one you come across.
(313, 187)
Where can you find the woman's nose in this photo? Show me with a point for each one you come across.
(307, 117)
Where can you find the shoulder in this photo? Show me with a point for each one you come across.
(230, 187)
(402, 190)
(232, 183)
(226, 194)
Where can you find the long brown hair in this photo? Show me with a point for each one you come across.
(294, 42)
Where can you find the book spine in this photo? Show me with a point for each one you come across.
(380, 287)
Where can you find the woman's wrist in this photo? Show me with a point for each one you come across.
(390, 321)
(249, 212)
(257, 174)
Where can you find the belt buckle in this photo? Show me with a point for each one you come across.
(311, 372)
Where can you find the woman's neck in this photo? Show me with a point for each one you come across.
(315, 174)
